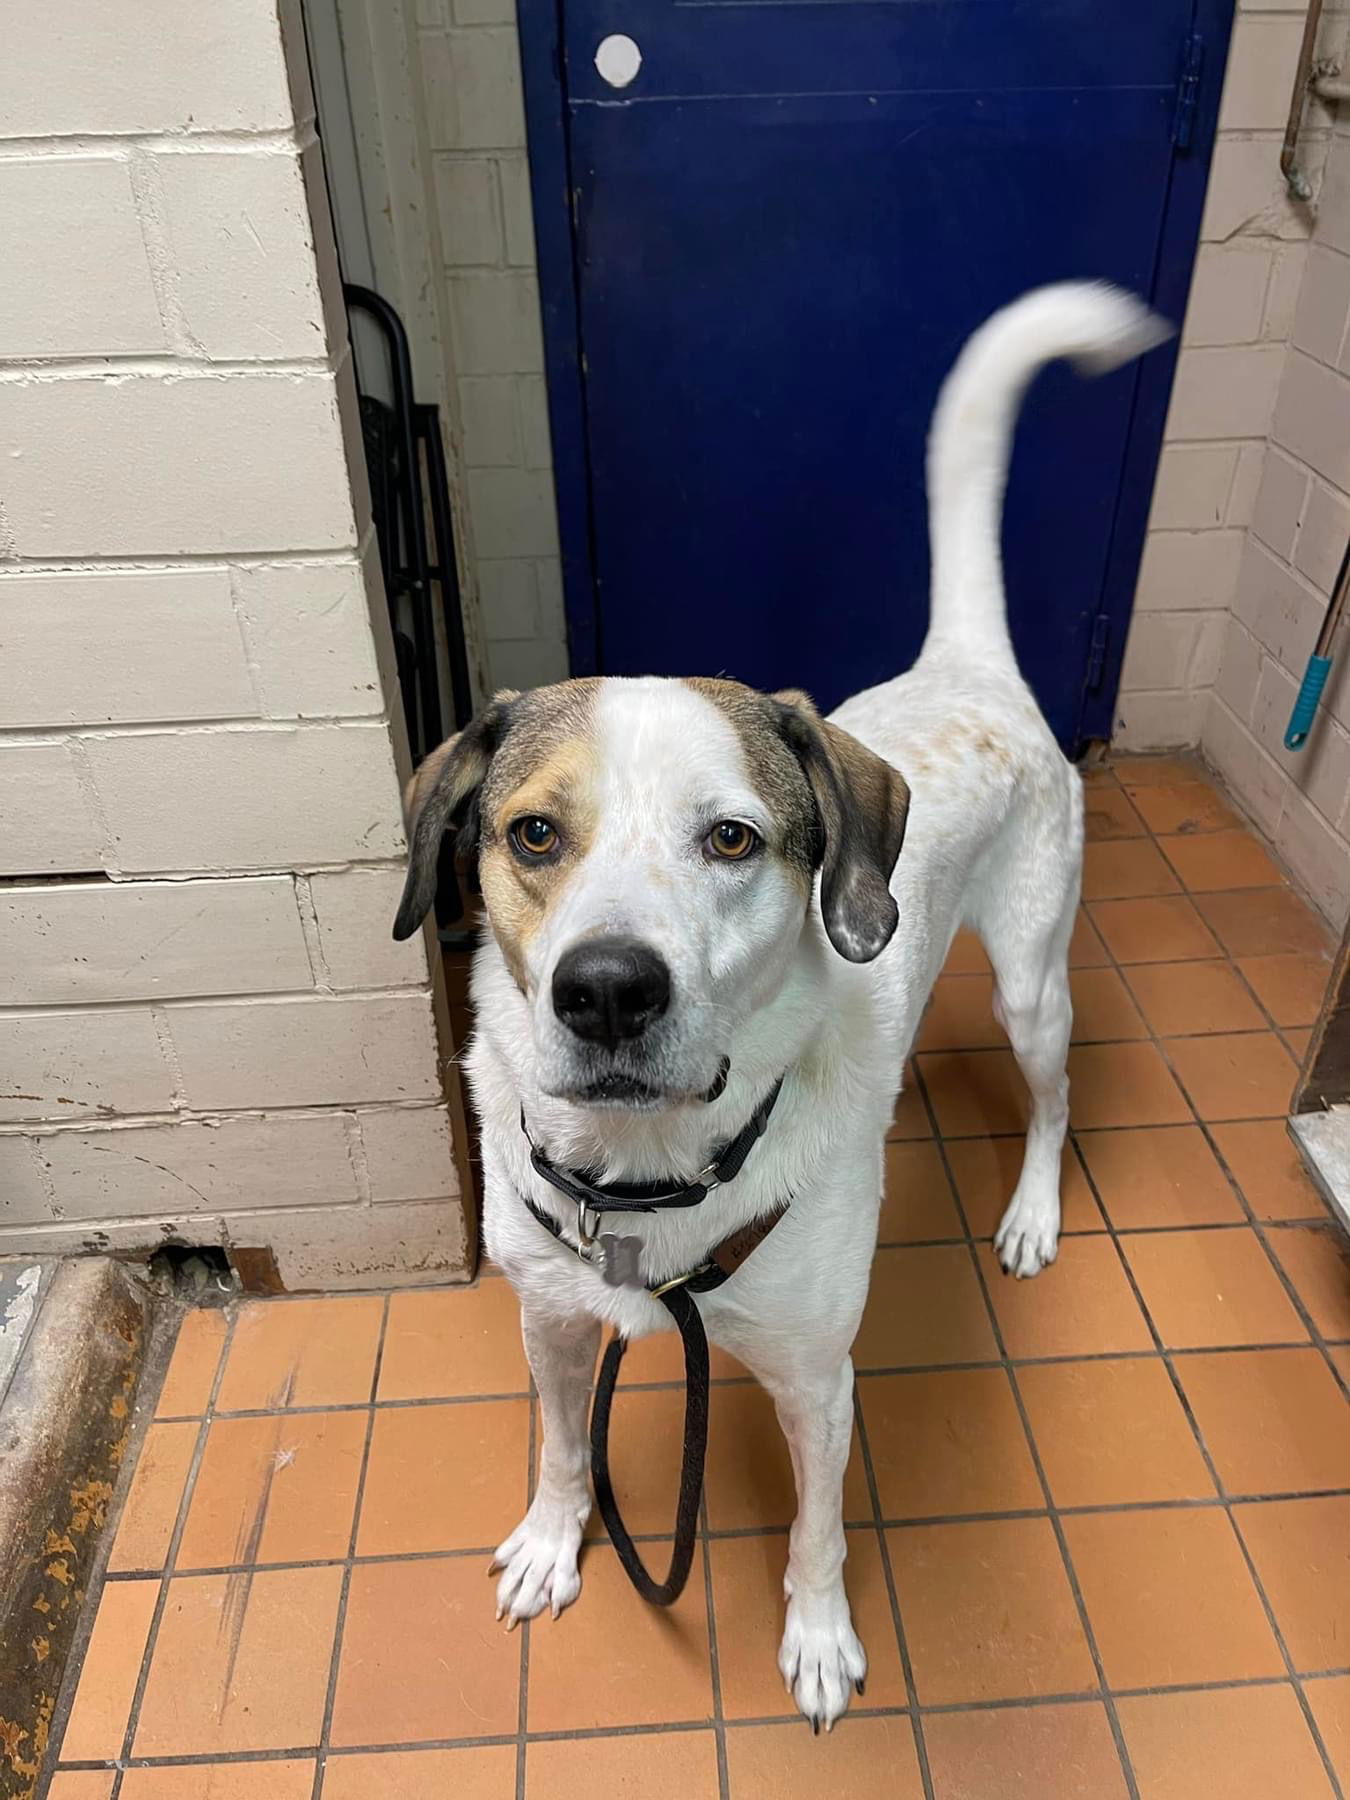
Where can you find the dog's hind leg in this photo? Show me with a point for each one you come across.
(539, 1559)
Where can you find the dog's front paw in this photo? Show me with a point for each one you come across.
(820, 1657)
(1028, 1237)
(539, 1561)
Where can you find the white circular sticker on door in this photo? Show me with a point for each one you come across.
(618, 59)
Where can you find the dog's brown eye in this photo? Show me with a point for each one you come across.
(535, 836)
(731, 840)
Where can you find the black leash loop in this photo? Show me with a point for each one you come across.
(679, 1303)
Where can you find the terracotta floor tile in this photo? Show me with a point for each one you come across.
(974, 1092)
(1301, 1549)
(1330, 1703)
(988, 1612)
(1103, 1011)
(1316, 1258)
(966, 956)
(1180, 807)
(1274, 1421)
(1216, 860)
(986, 1172)
(151, 1509)
(1122, 1084)
(1170, 1598)
(1340, 1356)
(1298, 1040)
(445, 1477)
(945, 1444)
(960, 1016)
(630, 1768)
(924, 1306)
(1248, 1075)
(1269, 1169)
(1154, 771)
(918, 1202)
(81, 1784)
(1290, 986)
(1086, 949)
(289, 1779)
(486, 1773)
(1025, 1753)
(748, 1599)
(1112, 1433)
(1125, 869)
(1159, 1175)
(748, 1481)
(441, 1344)
(1183, 999)
(1108, 814)
(423, 1657)
(192, 1368)
(1080, 1306)
(1232, 1744)
(277, 1489)
(867, 1759)
(1168, 929)
(1263, 922)
(301, 1353)
(660, 1357)
(1212, 1288)
(112, 1666)
(241, 1663)
(612, 1659)
(910, 1119)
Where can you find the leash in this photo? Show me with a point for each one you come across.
(619, 1263)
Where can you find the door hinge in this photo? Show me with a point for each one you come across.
(1101, 633)
(1188, 90)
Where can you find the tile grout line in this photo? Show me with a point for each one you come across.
(344, 1594)
(1056, 1524)
(171, 1555)
(714, 1657)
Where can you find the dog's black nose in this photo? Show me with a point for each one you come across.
(610, 988)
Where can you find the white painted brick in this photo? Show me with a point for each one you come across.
(1321, 770)
(469, 204)
(514, 512)
(1224, 393)
(551, 606)
(146, 940)
(1280, 503)
(1279, 609)
(1333, 205)
(525, 665)
(495, 319)
(82, 282)
(484, 12)
(71, 1065)
(1318, 856)
(508, 596)
(309, 630)
(517, 211)
(88, 68)
(48, 828)
(120, 646)
(1324, 305)
(1166, 721)
(1246, 485)
(1207, 651)
(474, 98)
(249, 799)
(318, 1052)
(1258, 783)
(256, 464)
(1228, 293)
(487, 410)
(1311, 417)
(407, 1245)
(1323, 538)
(431, 13)
(239, 231)
(355, 910)
(23, 1192)
(1247, 194)
(532, 391)
(1192, 487)
(1239, 669)
(193, 1167)
(1161, 646)
(1282, 296)
(1188, 570)
(1260, 76)
(408, 1154)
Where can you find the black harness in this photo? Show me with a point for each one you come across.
(618, 1258)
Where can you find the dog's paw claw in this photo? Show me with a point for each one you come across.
(1027, 1240)
(538, 1563)
(820, 1657)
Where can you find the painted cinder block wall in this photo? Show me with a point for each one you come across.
(205, 1030)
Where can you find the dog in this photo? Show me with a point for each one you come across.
(697, 892)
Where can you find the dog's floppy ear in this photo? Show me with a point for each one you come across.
(862, 804)
(444, 792)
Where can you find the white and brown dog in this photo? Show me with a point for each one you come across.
(697, 891)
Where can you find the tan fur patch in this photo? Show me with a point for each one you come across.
(775, 772)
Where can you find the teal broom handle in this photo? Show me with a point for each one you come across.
(1305, 707)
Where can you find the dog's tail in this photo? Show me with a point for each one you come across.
(1098, 328)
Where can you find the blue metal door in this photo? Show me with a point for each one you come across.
(778, 236)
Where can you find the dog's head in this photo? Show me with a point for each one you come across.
(647, 852)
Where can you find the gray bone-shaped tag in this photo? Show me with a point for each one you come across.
(623, 1260)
